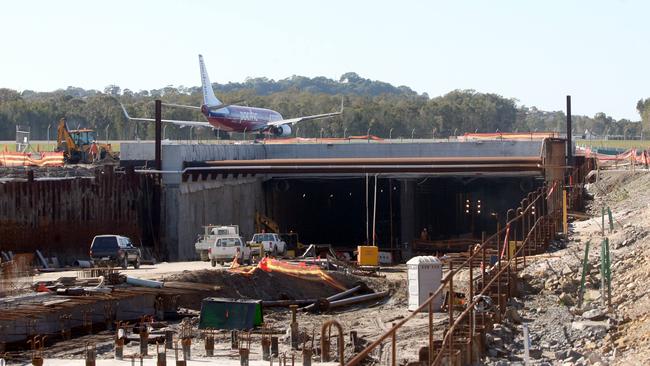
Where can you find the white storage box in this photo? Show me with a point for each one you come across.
(424, 276)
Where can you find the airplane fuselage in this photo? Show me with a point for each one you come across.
(240, 119)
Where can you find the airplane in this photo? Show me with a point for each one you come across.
(235, 118)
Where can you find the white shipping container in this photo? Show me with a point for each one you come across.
(424, 276)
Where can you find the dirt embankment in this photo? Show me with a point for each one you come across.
(263, 285)
(593, 334)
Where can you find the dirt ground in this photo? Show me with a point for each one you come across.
(369, 320)
(563, 333)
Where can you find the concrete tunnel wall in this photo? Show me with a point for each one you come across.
(189, 206)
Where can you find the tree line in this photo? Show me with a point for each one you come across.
(381, 108)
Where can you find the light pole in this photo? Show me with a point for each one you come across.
(164, 131)
(412, 134)
(390, 134)
(48, 134)
(321, 133)
(368, 134)
(433, 133)
(105, 132)
(245, 132)
(455, 130)
(345, 130)
(297, 130)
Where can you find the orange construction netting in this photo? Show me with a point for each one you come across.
(299, 270)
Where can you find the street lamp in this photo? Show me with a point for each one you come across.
(345, 130)
(164, 131)
(368, 134)
(390, 134)
(321, 133)
(105, 132)
(412, 134)
(48, 134)
(297, 130)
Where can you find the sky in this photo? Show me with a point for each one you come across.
(534, 51)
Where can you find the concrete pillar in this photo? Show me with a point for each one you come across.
(407, 211)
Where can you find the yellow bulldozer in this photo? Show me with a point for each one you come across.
(81, 146)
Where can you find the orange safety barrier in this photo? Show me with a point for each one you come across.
(42, 159)
(301, 270)
(628, 156)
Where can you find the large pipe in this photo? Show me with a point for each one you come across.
(262, 169)
(374, 161)
(345, 293)
(358, 299)
(282, 303)
(340, 295)
(82, 264)
(144, 283)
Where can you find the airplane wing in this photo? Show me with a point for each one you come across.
(176, 122)
(292, 121)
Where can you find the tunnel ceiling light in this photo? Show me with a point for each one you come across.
(332, 195)
(478, 212)
(304, 195)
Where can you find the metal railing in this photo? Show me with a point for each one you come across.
(531, 226)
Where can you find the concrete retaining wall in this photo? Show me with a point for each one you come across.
(189, 206)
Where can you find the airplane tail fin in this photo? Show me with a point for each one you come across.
(209, 98)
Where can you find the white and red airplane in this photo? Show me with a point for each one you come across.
(235, 118)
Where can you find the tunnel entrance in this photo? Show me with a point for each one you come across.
(341, 211)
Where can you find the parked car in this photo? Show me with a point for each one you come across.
(271, 242)
(114, 250)
(224, 249)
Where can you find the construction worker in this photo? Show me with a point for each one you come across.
(424, 235)
(94, 152)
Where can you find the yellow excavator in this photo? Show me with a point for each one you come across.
(266, 224)
(77, 145)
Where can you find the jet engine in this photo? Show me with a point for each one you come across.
(282, 130)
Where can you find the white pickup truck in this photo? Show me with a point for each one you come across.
(272, 243)
(225, 248)
(210, 234)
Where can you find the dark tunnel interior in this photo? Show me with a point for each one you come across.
(340, 211)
